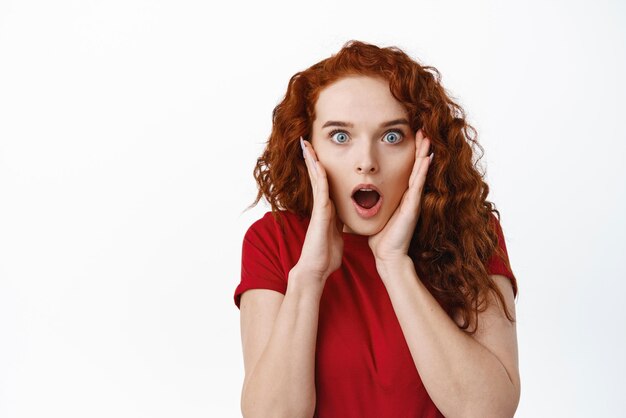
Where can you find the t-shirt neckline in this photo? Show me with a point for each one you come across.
(356, 239)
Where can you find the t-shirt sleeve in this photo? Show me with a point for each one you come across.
(496, 264)
(261, 267)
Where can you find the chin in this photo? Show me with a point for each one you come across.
(366, 228)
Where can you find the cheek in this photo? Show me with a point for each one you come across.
(401, 177)
(334, 174)
(408, 168)
(404, 167)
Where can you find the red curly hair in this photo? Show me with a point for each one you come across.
(456, 233)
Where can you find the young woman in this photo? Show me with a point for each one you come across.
(379, 284)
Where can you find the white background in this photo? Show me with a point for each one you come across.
(128, 134)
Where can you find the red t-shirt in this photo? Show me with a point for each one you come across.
(363, 367)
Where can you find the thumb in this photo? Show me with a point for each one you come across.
(338, 222)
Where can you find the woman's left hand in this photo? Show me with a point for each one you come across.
(391, 244)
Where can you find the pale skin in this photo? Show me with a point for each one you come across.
(466, 376)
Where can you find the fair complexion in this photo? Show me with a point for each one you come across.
(466, 376)
(279, 332)
(361, 135)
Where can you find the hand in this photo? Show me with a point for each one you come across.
(323, 245)
(392, 242)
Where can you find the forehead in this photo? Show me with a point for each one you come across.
(358, 99)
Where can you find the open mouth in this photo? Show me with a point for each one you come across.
(366, 198)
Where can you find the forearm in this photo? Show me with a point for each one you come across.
(282, 383)
(462, 377)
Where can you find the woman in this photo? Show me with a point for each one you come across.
(379, 284)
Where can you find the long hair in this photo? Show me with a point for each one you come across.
(456, 232)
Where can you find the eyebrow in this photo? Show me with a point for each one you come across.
(351, 125)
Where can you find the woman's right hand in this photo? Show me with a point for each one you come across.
(322, 250)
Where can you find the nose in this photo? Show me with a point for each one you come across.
(366, 162)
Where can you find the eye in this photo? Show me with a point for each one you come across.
(393, 137)
(339, 137)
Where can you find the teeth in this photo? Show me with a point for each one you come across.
(366, 190)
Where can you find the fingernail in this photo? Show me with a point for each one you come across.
(431, 157)
(303, 148)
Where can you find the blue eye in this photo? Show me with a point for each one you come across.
(393, 137)
(340, 138)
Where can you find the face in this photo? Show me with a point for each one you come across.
(362, 137)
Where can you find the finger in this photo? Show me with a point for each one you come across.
(338, 221)
(309, 164)
(334, 223)
(419, 137)
(414, 171)
(420, 177)
(321, 183)
(413, 195)
(424, 147)
(311, 151)
(420, 155)
(320, 194)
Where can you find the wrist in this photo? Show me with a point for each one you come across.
(303, 280)
(392, 267)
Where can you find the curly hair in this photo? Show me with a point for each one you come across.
(456, 234)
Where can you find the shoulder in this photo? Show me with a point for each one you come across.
(264, 224)
(494, 222)
(272, 225)
(274, 219)
(499, 262)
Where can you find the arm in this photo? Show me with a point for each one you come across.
(466, 376)
(282, 382)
